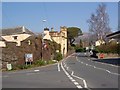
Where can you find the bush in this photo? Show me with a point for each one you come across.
(40, 62)
(80, 50)
(109, 48)
(50, 62)
(24, 66)
(70, 48)
(58, 56)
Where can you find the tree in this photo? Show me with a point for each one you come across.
(81, 43)
(99, 23)
(72, 33)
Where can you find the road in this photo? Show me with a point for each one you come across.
(76, 71)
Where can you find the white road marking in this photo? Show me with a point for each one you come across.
(76, 83)
(88, 59)
(90, 65)
(64, 65)
(85, 84)
(107, 64)
(108, 71)
(67, 68)
(36, 70)
(99, 68)
(58, 67)
(73, 80)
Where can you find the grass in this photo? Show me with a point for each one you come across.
(35, 64)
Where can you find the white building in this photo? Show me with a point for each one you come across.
(99, 42)
(58, 37)
(17, 35)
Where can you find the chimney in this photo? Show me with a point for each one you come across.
(46, 29)
(52, 29)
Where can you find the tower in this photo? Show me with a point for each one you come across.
(63, 31)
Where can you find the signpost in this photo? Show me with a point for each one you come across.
(9, 66)
(28, 58)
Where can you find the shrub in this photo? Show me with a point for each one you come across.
(24, 66)
(40, 62)
(70, 48)
(58, 56)
(80, 50)
(109, 48)
(50, 62)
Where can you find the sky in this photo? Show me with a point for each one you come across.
(56, 14)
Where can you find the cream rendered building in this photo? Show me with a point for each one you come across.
(58, 37)
(17, 35)
(99, 42)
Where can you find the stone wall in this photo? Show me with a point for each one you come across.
(15, 55)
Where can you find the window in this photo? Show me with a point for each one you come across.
(15, 37)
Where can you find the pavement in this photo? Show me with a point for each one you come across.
(76, 71)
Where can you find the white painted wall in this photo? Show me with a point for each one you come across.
(47, 36)
(99, 42)
(61, 39)
(2, 44)
(20, 37)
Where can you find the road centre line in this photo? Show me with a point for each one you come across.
(72, 74)
(106, 64)
(58, 67)
(99, 68)
(85, 84)
(68, 75)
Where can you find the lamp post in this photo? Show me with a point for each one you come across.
(42, 47)
(43, 23)
(42, 38)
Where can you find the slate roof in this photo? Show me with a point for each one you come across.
(16, 30)
(115, 33)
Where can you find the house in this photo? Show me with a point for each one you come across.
(46, 34)
(16, 34)
(99, 42)
(58, 37)
(2, 42)
(114, 36)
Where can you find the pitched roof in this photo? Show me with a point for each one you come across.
(1, 39)
(115, 33)
(16, 30)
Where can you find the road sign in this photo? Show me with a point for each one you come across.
(9, 66)
(28, 57)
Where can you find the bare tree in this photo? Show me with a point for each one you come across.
(99, 23)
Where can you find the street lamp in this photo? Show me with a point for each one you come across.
(42, 38)
(44, 20)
